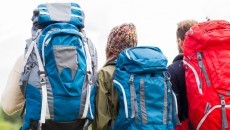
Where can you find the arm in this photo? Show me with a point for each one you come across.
(103, 109)
(12, 99)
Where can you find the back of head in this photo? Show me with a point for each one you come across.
(120, 38)
(183, 27)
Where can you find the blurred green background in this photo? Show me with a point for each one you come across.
(12, 122)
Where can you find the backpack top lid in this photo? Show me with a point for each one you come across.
(49, 13)
(142, 59)
(213, 34)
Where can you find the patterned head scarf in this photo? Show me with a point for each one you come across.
(120, 38)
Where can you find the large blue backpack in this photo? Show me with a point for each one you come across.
(59, 70)
(146, 100)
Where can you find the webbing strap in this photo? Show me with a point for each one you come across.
(206, 115)
(88, 59)
(202, 68)
(43, 86)
(30, 49)
(134, 105)
(165, 110)
(89, 80)
(132, 95)
(173, 100)
(142, 102)
(87, 102)
(224, 114)
(40, 65)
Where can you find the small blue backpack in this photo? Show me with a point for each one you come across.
(146, 99)
(59, 70)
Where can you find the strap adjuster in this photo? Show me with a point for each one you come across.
(89, 77)
(41, 73)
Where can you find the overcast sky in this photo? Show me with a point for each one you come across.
(156, 22)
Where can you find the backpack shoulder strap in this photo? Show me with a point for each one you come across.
(113, 62)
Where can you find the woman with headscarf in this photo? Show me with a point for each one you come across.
(120, 38)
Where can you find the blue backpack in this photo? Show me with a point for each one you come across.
(146, 99)
(59, 70)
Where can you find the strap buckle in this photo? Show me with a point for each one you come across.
(42, 73)
(89, 77)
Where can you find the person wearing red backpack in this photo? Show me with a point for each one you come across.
(177, 73)
(207, 73)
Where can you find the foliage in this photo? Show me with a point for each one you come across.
(10, 122)
(13, 122)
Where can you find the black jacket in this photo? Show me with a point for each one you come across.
(177, 73)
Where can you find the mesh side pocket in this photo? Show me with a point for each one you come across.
(66, 61)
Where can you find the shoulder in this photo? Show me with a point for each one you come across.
(177, 62)
(179, 57)
(177, 66)
(108, 69)
(18, 64)
(106, 72)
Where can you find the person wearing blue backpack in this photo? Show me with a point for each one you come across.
(121, 37)
(134, 90)
(58, 75)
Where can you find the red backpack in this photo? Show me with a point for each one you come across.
(207, 74)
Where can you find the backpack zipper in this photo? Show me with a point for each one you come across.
(202, 68)
(124, 97)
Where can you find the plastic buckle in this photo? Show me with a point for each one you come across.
(42, 73)
(89, 77)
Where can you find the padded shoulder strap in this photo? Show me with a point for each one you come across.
(111, 63)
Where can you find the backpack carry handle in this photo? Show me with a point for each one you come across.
(216, 25)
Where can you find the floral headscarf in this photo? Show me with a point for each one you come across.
(120, 38)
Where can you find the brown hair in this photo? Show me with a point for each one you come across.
(183, 27)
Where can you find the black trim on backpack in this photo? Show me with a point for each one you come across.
(23, 111)
(113, 62)
(79, 124)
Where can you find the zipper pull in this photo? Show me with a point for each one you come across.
(224, 114)
(131, 79)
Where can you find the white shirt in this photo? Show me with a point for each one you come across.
(12, 99)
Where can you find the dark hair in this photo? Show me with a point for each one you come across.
(183, 27)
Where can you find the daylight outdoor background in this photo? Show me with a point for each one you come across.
(156, 22)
